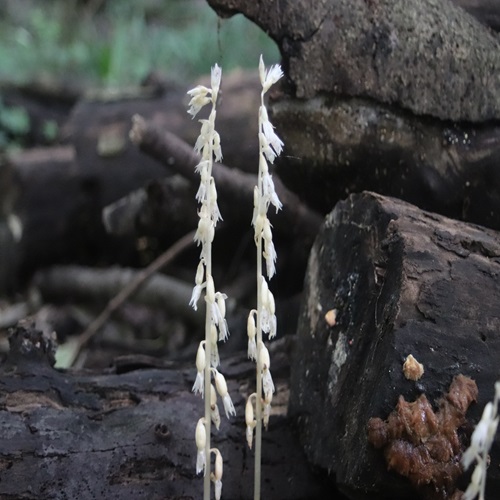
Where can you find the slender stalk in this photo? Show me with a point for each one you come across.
(207, 381)
(258, 403)
(208, 350)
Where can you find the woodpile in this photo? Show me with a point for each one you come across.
(389, 114)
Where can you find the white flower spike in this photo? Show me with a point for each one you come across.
(270, 146)
(208, 146)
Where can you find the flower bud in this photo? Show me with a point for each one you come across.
(214, 409)
(220, 383)
(201, 439)
(200, 273)
(210, 296)
(264, 292)
(216, 476)
(265, 360)
(267, 234)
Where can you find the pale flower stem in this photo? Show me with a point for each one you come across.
(208, 352)
(258, 399)
(208, 417)
(207, 381)
(258, 405)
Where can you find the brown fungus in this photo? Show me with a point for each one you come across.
(423, 445)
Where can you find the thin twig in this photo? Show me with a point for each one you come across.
(141, 277)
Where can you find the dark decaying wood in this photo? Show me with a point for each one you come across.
(393, 101)
(98, 126)
(297, 219)
(57, 193)
(59, 207)
(340, 145)
(163, 208)
(129, 433)
(403, 281)
(428, 57)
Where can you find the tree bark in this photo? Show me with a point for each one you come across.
(402, 281)
(389, 96)
(129, 433)
(428, 57)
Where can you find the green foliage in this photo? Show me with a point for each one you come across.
(14, 122)
(50, 129)
(121, 43)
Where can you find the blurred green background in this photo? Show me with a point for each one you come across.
(116, 43)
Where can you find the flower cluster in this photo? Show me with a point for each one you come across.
(209, 148)
(263, 319)
(201, 441)
(481, 441)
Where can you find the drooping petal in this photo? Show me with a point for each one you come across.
(228, 406)
(199, 98)
(195, 296)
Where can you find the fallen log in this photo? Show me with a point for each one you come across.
(129, 433)
(386, 280)
(429, 57)
(341, 146)
(60, 192)
(387, 96)
(101, 285)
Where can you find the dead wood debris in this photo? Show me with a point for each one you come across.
(234, 185)
(140, 278)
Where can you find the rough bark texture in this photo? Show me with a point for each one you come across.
(129, 434)
(429, 57)
(338, 146)
(400, 98)
(403, 282)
